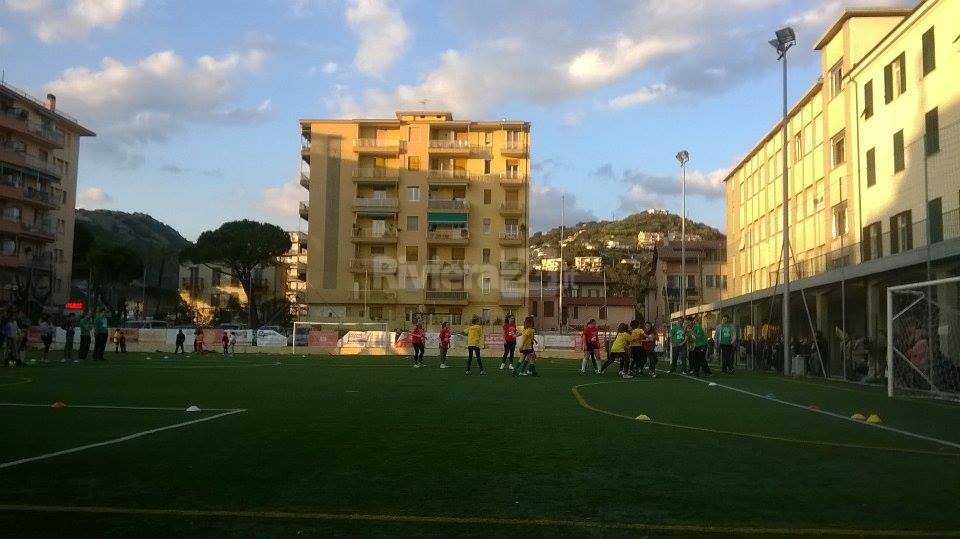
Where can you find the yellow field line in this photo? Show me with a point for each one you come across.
(582, 401)
(425, 519)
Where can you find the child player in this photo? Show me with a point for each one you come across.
(527, 355)
(618, 350)
(474, 341)
(416, 339)
(444, 343)
(591, 343)
(509, 340)
(636, 360)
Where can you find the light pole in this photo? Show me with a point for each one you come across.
(784, 40)
(683, 156)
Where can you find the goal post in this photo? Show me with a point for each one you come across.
(923, 339)
(342, 328)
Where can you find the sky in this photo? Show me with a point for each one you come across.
(196, 103)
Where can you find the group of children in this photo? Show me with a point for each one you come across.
(634, 347)
(527, 365)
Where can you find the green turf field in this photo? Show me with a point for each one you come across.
(288, 445)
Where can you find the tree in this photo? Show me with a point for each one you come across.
(239, 248)
(107, 266)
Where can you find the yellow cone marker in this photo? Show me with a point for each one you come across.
(643, 417)
(874, 418)
(858, 416)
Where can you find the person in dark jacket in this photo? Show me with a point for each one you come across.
(181, 338)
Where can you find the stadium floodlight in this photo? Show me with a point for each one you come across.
(683, 156)
(786, 38)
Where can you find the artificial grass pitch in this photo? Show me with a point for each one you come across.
(369, 445)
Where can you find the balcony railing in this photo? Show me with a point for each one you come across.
(41, 196)
(371, 234)
(445, 295)
(305, 181)
(435, 204)
(32, 161)
(674, 292)
(515, 146)
(449, 234)
(378, 144)
(375, 265)
(511, 235)
(376, 173)
(304, 211)
(511, 266)
(455, 174)
(45, 132)
(511, 207)
(437, 144)
(512, 297)
(455, 267)
(375, 204)
(43, 227)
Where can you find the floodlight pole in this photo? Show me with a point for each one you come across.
(782, 45)
(683, 156)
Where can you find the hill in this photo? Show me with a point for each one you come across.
(624, 230)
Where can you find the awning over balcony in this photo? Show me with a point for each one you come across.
(447, 217)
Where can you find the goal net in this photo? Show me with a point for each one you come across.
(331, 334)
(923, 339)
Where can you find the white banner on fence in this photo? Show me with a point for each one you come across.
(367, 339)
(558, 342)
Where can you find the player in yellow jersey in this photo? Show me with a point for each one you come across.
(474, 342)
(527, 355)
(618, 350)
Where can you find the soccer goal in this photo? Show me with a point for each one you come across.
(301, 330)
(923, 339)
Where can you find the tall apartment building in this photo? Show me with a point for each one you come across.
(39, 156)
(295, 261)
(874, 176)
(418, 214)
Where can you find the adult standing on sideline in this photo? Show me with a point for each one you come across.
(225, 341)
(181, 338)
(727, 340)
(86, 326)
(100, 333)
(46, 337)
(70, 327)
(509, 341)
(699, 362)
(678, 347)
(11, 331)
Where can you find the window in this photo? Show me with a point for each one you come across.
(413, 254)
(487, 138)
(486, 166)
(871, 247)
(798, 147)
(513, 169)
(868, 99)
(931, 137)
(839, 219)
(413, 163)
(485, 285)
(935, 214)
(486, 256)
(413, 223)
(871, 167)
(485, 316)
(487, 196)
(895, 78)
(457, 253)
(411, 283)
(533, 308)
(413, 194)
(548, 308)
(708, 281)
(837, 149)
(486, 225)
(901, 232)
(898, 160)
(215, 279)
(602, 315)
(929, 52)
(836, 79)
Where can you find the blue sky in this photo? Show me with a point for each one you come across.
(196, 103)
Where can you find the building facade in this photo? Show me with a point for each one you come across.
(212, 295)
(421, 216)
(584, 298)
(705, 281)
(874, 179)
(591, 264)
(295, 262)
(39, 158)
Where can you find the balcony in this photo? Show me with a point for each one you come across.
(305, 181)
(514, 148)
(17, 156)
(448, 236)
(305, 152)
(447, 297)
(375, 206)
(511, 238)
(373, 237)
(378, 146)
(41, 230)
(375, 296)
(458, 206)
(12, 190)
(19, 120)
(512, 297)
(691, 292)
(446, 267)
(373, 265)
(304, 211)
(512, 209)
(448, 177)
(450, 147)
(513, 178)
(510, 268)
(376, 176)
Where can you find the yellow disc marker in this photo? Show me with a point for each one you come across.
(643, 417)
(874, 418)
(858, 416)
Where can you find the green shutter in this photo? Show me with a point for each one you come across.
(935, 215)
(447, 217)
(888, 83)
(932, 133)
(929, 52)
(871, 167)
(903, 72)
(894, 232)
(898, 161)
(868, 99)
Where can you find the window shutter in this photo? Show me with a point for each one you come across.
(932, 131)
(935, 213)
(868, 99)
(929, 52)
(894, 244)
(902, 59)
(888, 83)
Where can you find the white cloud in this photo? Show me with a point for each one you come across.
(598, 66)
(545, 208)
(641, 96)
(129, 105)
(572, 119)
(92, 198)
(330, 68)
(382, 31)
(283, 202)
(59, 21)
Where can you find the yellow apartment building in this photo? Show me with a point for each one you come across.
(418, 216)
(39, 157)
(295, 262)
(874, 175)
(209, 290)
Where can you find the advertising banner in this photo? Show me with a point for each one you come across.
(325, 337)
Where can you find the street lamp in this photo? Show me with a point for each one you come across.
(683, 156)
(785, 38)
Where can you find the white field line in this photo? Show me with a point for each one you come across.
(831, 414)
(110, 407)
(115, 440)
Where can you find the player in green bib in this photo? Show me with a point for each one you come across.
(678, 347)
(698, 357)
(727, 339)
